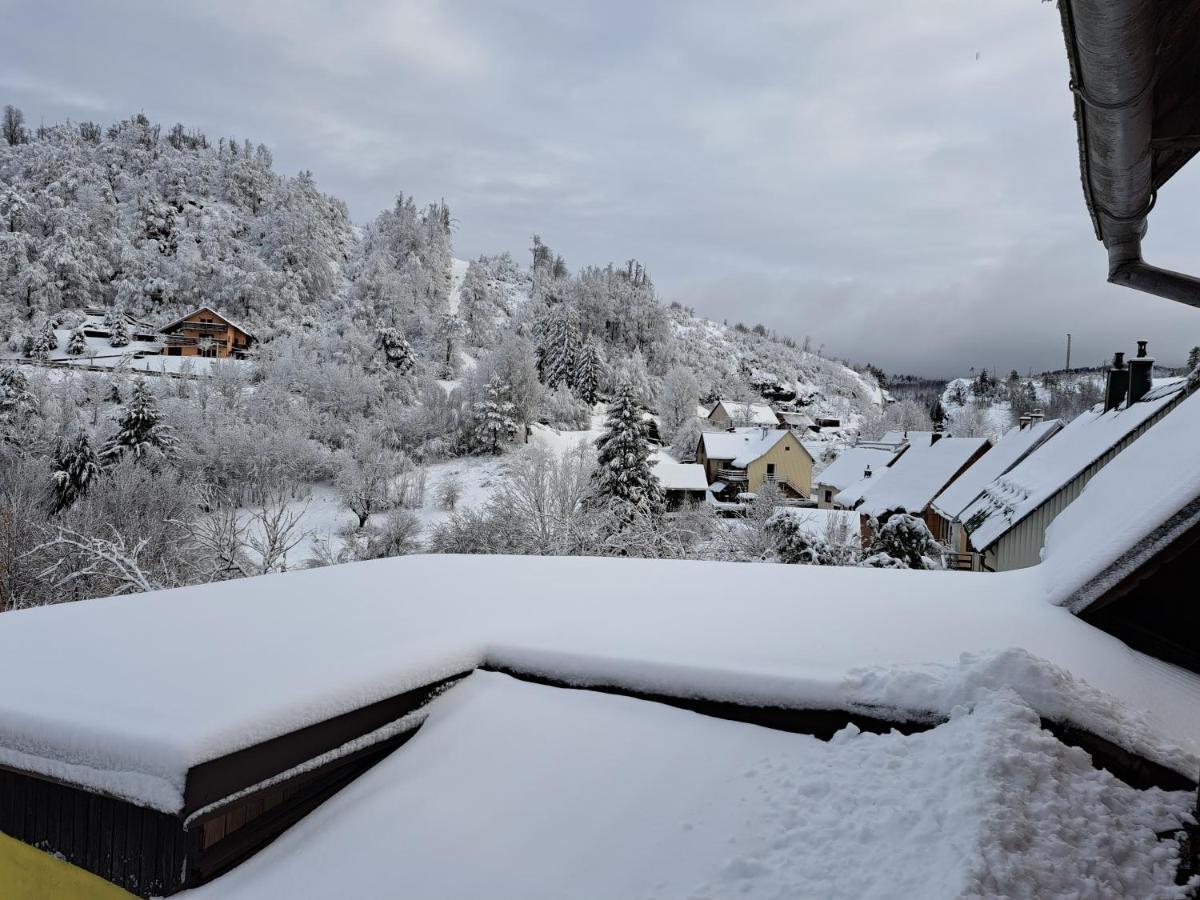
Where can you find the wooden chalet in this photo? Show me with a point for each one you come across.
(205, 332)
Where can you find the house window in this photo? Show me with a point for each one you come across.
(829, 496)
(174, 351)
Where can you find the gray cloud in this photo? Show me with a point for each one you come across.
(900, 185)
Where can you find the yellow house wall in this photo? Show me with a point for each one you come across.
(719, 418)
(792, 464)
(29, 874)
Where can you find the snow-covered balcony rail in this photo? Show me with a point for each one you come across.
(206, 327)
(732, 474)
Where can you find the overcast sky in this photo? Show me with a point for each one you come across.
(898, 180)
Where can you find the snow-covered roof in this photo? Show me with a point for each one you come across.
(820, 522)
(677, 476)
(1007, 500)
(752, 413)
(916, 438)
(514, 791)
(742, 445)
(796, 419)
(224, 318)
(1134, 506)
(1013, 446)
(850, 465)
(912, 482)
(176, 678)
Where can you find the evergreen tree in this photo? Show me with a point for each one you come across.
(904, 542)
(17, 402)
(937, 415)
(1193, 360)
(76, 467)
(118, 335)
(624, 478)
(560, 347)
(396, 350)
(587, 372)
(140, 429)
(49, 335)
(446, 339)
(494, 420)
(77, 345)
(42, 345)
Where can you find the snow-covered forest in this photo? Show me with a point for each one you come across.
(398, 399)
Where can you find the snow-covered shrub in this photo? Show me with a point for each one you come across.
(397, 535)
(449, 492)
(904, 541)
(564, 411)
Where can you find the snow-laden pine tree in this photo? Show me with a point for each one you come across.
(76, 467)
(494, 418)
(118, 335)
(396, 350)
(587, 372)
(77, 343)
(446, 339)
(560, 346)
(904, 542)
(49, 335)
(140, 429)
(624, 480)
(17, 402)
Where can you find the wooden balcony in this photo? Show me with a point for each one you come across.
(731, 475)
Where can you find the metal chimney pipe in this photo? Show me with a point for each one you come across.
(1141, 374)
(1117, 384)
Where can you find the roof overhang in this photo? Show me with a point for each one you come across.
(1135, 73)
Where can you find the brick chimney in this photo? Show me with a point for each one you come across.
(1117, 383)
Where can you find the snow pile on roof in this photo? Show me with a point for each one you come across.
(544, 791)
(741, 446)
(916, 438)
(919, 475)
(1013, 496)
(281, 652)
(1014, 446)
(850, 465)
(751, 413)
(1133, 506)
(677, 476)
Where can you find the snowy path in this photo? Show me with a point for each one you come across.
(458, 272)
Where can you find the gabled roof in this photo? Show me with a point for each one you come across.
(755, 413)
(850, 465)
(1131, 509)
(1010, 498)
(1014, 446)
(743, 446)
(921, 473)
(676, 476)
(913, 437)
(209, 309)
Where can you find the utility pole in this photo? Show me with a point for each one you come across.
(1068, 352)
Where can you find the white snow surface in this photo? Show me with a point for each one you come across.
(850, 465)
(1017, 493)
(1122, 513)
(1010, 449)
(677, 476)
(515, 790)
(741, 446)
(458, 272)
(916, 438)
(280, 652)
(916, 478)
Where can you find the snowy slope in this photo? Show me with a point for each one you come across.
(515, 790)
(458, 271)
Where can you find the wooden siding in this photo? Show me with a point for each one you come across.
(183, 337)
(793, 466)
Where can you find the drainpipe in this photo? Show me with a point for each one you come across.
(1114, 49)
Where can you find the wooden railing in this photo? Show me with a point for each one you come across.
(732, 475)
(963, 562)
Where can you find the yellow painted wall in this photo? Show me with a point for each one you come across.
(29, 874)
(792, 464)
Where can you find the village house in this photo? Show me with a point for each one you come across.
(852, 466)
(726, 414)
(742, 460)
(205, 332)
(1007, 521)
(797, 421)
(682, 483)
(1016, 444)
(914, 478)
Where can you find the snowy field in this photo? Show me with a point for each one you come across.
(514, 790)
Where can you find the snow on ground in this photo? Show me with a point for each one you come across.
(561, 442)
(897, 643)
(515, 790)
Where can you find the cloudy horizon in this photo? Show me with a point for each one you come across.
(902, 186)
